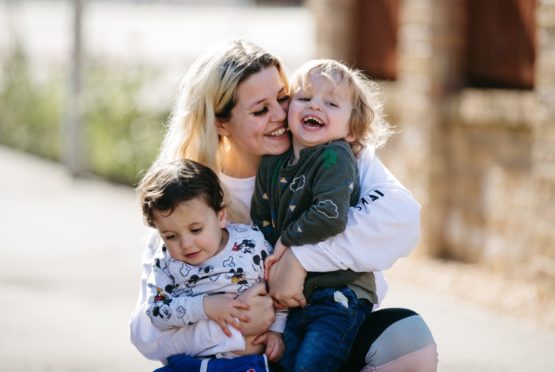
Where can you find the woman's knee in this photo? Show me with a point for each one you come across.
(389, 336)
(408, 343)
(422, 360)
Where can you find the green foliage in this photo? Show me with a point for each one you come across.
(29, 111)
(122, 135)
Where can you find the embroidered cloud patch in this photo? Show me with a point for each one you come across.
(297, 183)
(328, 208)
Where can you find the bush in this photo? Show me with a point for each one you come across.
(30, 113)
(122, 136)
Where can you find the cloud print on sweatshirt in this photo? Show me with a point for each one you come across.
(328, 208)
(297, 183)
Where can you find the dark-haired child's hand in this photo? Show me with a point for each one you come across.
(225, 310)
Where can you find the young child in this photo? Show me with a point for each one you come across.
(303, 197)
(205, 262)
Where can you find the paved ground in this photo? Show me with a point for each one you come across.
(70, 266)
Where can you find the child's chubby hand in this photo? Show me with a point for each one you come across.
(279, 249)
(274, 345)
(225, 310)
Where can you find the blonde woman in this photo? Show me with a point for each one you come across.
(231, 111)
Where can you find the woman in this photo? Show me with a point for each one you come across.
(231, 110)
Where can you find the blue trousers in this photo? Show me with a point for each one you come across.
(185, 363)
(320, 336)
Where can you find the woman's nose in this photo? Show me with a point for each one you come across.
(280, 113)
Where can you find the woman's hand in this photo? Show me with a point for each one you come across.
(286, 282)
(261, 310)
(225, 310)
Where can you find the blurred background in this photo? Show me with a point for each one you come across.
(86, 87)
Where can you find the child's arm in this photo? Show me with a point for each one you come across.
(204, 337)
(167, 311)
(261, 214)
(335, 180)
(382, 227)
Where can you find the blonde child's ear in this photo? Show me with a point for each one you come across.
(350, 138)
(221, 128)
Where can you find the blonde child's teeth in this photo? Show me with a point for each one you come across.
(313, 119)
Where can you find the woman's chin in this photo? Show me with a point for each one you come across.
(278, 145)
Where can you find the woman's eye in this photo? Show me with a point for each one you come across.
(261, 112)
(283, 99)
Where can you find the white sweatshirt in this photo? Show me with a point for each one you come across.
(381, 228)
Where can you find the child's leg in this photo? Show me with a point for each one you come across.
(292, 337)
(334, 317)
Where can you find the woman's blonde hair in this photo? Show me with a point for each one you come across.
(367, 124)
(208, 93)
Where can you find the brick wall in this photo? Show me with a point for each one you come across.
(482, 161)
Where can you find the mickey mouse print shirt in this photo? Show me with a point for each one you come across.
(176, 289)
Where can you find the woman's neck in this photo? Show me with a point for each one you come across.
(239, 164)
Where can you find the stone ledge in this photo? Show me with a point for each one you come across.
(507, 109)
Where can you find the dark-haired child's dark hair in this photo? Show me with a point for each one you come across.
(165, 186)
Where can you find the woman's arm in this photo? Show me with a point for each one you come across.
(203, 338)
(381, 228)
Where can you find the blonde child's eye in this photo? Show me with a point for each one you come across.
(303, 99)
(170, 237)
(332, 104)
(196, 230)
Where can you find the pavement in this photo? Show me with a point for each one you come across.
(71, 251)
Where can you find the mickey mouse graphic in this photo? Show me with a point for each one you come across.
(162, 308)
(238, 277)
(258, 260)
(246, 246)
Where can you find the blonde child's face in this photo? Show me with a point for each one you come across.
(193, 232)
(320, 113)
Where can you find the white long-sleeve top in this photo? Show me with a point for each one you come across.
(383, 227)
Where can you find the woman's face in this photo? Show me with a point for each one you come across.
(258, 120)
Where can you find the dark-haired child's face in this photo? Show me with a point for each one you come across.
(193, 232)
